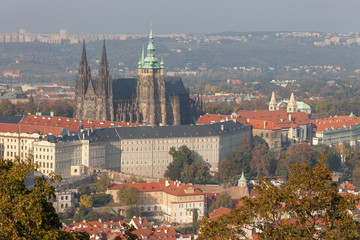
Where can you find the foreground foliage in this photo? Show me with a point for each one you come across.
(24, 213)
(308, 206)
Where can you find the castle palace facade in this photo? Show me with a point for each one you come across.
(151, 99)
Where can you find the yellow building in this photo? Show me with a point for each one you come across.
(166, 200)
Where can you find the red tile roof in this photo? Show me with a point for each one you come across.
(219, 212)
(273, 120)
(348, 186)
(338, 122)
(141, 187)
(42, 130)
(165, 185)
(72, 124)
(140, 222)
(212, 118)
(263, 124)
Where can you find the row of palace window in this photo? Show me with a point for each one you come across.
(149, 208)
(171, 141)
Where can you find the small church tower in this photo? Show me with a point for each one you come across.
(242, 182)
(273, 103)
(292, 105)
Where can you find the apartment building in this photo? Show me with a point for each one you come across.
(166, 200)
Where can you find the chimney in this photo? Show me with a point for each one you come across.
(51, 114)
(167, 183)
(264, 124)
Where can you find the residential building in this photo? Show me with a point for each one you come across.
(166, 200)
(65, 199)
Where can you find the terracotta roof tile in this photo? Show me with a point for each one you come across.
(72, 124)
(338, 122)
(219, 212)
(165, 185)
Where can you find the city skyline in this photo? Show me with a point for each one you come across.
(134, 17)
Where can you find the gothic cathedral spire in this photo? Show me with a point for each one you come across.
(83, 79)
(84, 74)
(103, 81)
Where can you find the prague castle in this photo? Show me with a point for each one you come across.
(151, 99)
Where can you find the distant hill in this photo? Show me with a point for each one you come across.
(218, 52)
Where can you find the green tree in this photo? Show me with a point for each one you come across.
(86, 201)
(242, 156)
(202, 173)
(181, 157)
(102, 183)
(128, 195)
(185, 168)
(308, 206)
(195, 173)
(195, 217)
(24, 213)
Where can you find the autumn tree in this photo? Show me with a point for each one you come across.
(227, 171)
(28, 213)
(262, 160)
(301, 153)
(7, 108)
(355, 177)
(224, 200)
(86, 201)
(128, 195)
(308, 206)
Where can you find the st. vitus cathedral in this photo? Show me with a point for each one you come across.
(151, 99)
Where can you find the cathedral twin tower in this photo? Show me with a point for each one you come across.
(151, 99)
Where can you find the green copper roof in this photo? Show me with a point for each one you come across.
(300, 105)
(150, 61)
(242, 179)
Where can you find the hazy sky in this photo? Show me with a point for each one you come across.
(180, 16)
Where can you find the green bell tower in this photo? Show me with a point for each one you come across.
(151, 86)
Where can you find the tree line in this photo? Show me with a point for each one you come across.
(61, 108)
